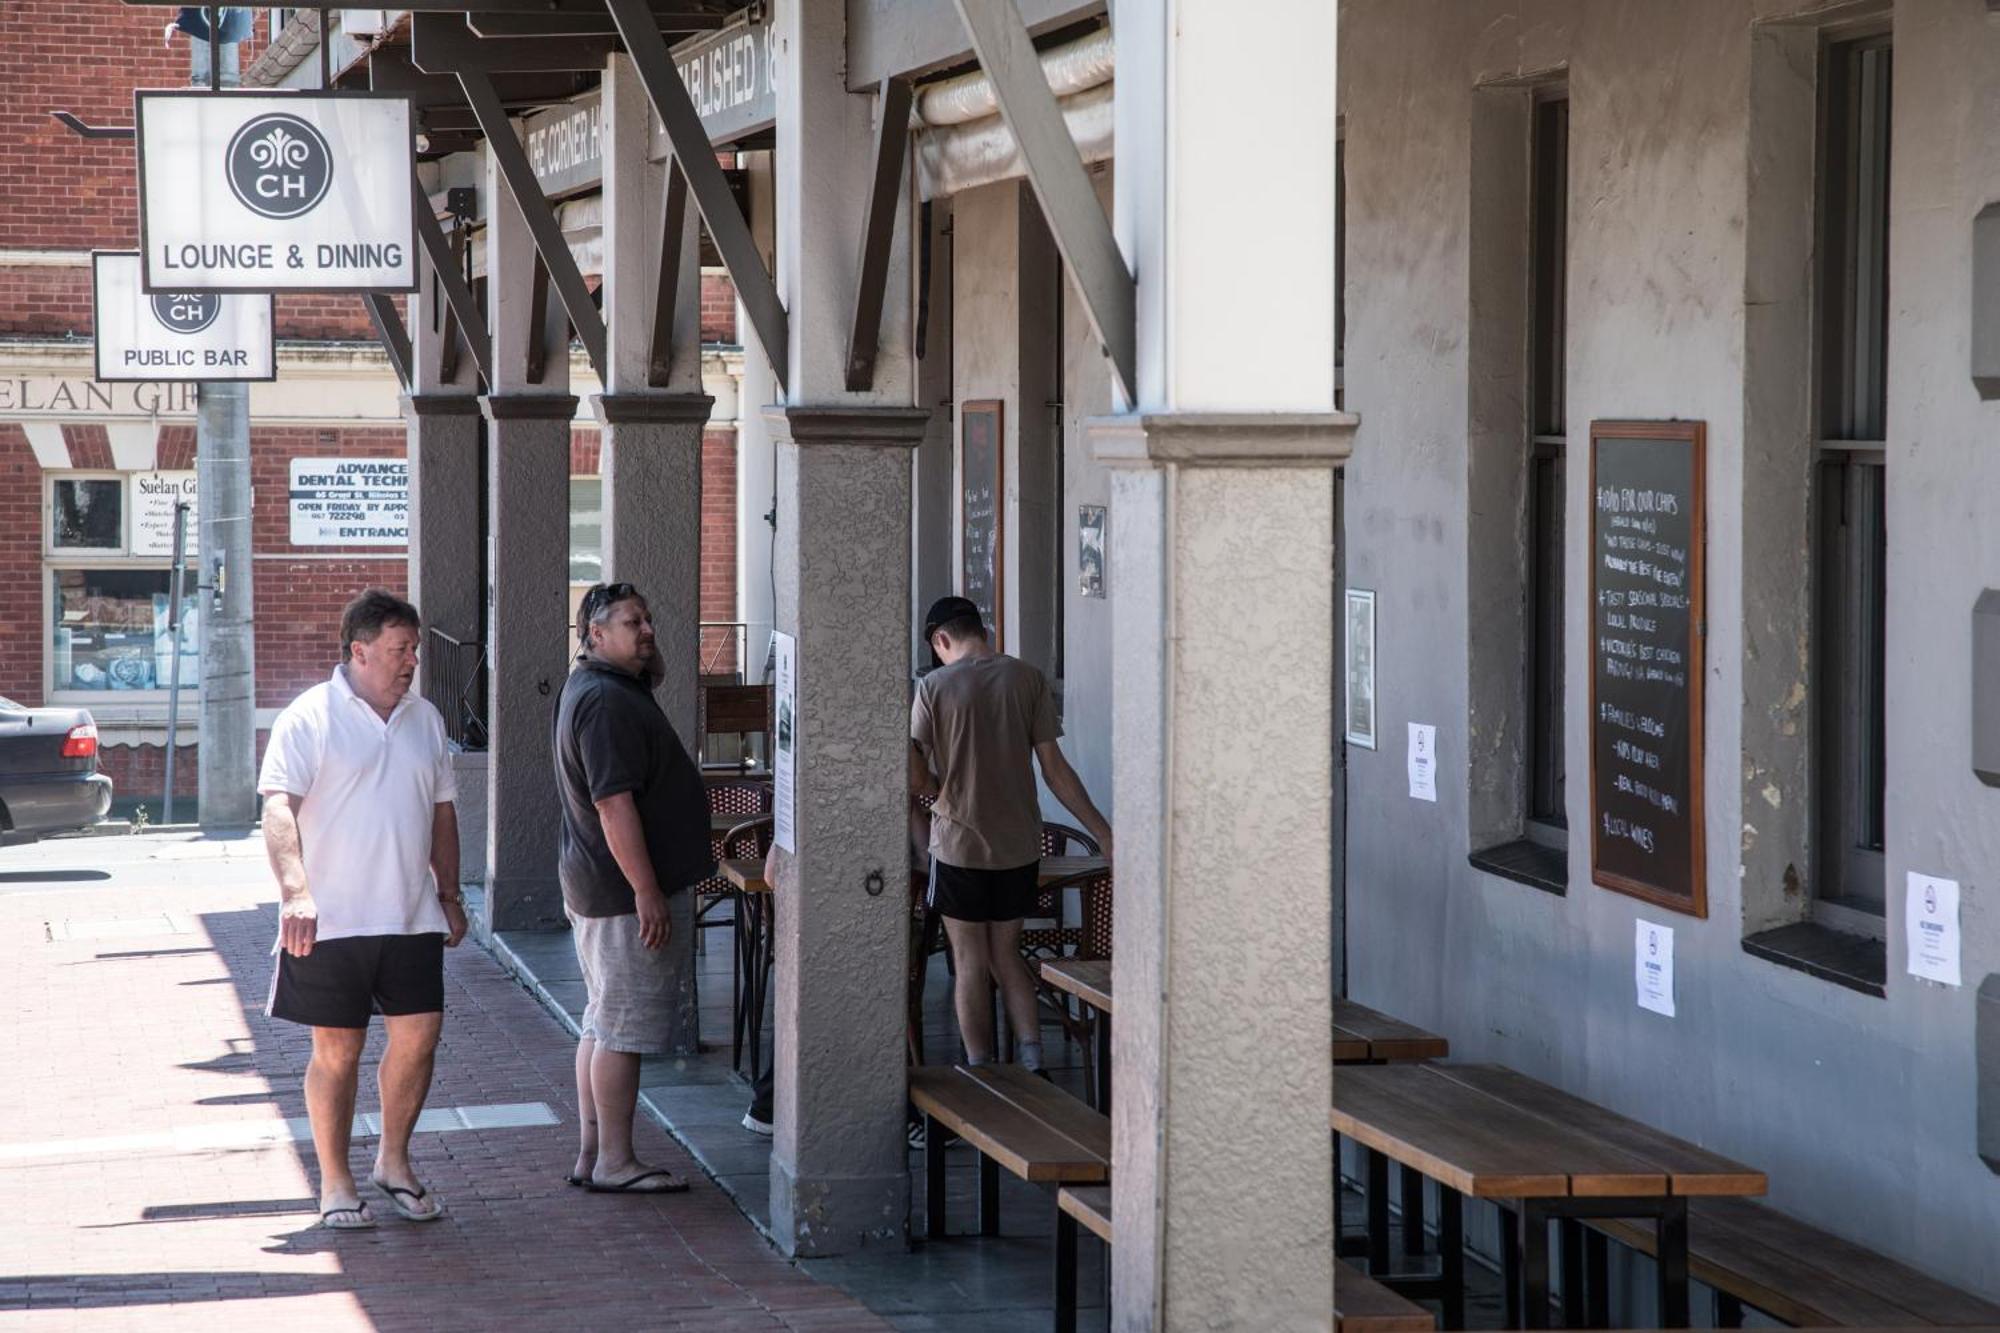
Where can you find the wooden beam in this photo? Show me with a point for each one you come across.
(512, 159)
(443, 44)
(488, 24)
(673, 233)
(458, 296)
(1055, 170)
(389, 331)
(696, 156)
(538, 323)
(878, 231)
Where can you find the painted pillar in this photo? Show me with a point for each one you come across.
(1222, 605)
(528, 430)
(442, 412)
(839, 1165)
(651, 456)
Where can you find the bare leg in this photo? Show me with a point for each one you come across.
(586, 1110)
(404, 1078)
(330, 1089)
(614, 1090)
(972, 991)
(1016, 982)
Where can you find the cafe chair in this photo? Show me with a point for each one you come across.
(726, 796)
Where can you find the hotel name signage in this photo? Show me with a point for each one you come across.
(41, 397)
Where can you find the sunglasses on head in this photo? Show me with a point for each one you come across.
(600, 596)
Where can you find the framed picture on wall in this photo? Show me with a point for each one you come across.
(982, 519)
(1361, 667)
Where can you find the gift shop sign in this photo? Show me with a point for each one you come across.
(257, 192)
(350, 502)
(176, 335)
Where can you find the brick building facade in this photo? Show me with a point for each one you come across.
(82, 612)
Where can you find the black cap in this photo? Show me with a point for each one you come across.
(943, 611)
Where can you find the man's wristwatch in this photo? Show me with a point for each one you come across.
(452, 900)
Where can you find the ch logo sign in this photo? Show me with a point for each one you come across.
(279, 166)
(187, 312)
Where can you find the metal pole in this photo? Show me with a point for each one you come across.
(174, 637)
(214, 49)
(325, 56)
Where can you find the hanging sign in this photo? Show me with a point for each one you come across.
(176, 335)
(256, 192)
(350, 502)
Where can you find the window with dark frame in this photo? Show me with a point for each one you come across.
(1849, 479)
(1548, 299)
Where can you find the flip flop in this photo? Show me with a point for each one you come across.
(356, 1218)
(576, 1180)
(396, 1194)
(674, 1185)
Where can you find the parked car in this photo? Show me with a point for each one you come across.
(49, 781)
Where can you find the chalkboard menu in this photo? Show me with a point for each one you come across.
(1646, 661)
(981, 518)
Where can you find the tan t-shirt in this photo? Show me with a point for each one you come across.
(978, 722)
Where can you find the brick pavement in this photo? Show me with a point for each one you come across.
(145, 1033)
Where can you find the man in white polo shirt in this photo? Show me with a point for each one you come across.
(363, 837)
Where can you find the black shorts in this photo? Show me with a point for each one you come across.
(341, 982)
(965, 894)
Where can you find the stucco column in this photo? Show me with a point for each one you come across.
(839, 1164)
(442, 413)
(651, 455)
(529, 640)
(1223, 606)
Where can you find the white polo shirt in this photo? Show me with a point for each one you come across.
(366, 789)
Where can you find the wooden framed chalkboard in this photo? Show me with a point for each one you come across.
(1646, 651)
(982, 520)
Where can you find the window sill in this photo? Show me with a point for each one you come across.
(1526, 862)
(1854, 961)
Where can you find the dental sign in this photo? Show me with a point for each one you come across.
(263, 192)
(177, 335)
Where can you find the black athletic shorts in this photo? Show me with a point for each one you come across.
(965, 894)
(341, 982)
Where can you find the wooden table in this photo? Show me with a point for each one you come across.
(752, 910)
(1489, 1133)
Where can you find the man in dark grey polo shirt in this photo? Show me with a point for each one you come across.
(634, 830)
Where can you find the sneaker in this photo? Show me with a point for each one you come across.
(755, 1125)
(915, 1134)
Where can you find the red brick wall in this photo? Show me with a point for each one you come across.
(139, 772)
(298, 617)
(21, 590)
(272, 449)
(585, 445)
(718, 308)
(718, 547)
(54, 302)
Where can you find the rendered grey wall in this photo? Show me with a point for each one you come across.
(1862, 1110)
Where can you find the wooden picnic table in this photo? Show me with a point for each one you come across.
(1487, 1132)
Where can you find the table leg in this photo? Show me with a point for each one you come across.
(1101, 1027)
(739, 929)
(989, 1196)
(1451, 1254)
(1534, 1265)
(1728, 1311)
(1413, 1211)
(1510, 1264)
(1378, 1212)
(933, 1178)
(1673, 1252)
(1065, 1272)
(1597, 1265)
(760, 981)
(1571, 1233)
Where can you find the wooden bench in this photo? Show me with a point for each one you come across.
(1794, 1272)
(1360, 1304)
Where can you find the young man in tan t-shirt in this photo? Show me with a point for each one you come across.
(978, 725)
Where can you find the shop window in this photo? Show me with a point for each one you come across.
(87, 514)
(111, 632)
(1548, 303)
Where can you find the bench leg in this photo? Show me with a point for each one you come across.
(1597, 1266)
(1728, 1311)
(1451, 1253)
(1534, 1265)
(1413, 1211)
(933, 1178)
(1378, 1212)
(1510, 1264)
(1065, 1272)
(1101, 1038)
(1571, 1233)
(1673, 1252)
(989, 1196)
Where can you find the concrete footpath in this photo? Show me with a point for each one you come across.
(155, 1172)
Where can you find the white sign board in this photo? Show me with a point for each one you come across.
(350, 502)
(153, 496)
(1423, 762)
(785, 750)
(1930, 925)
(176, 335)
(260, 192)
(1653, 967)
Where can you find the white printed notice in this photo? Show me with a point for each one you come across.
(257, 192)
(1423, 762)
(1930, 923)
(350, 502)
(785, 744)
(1653, 967)
(176, 335)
